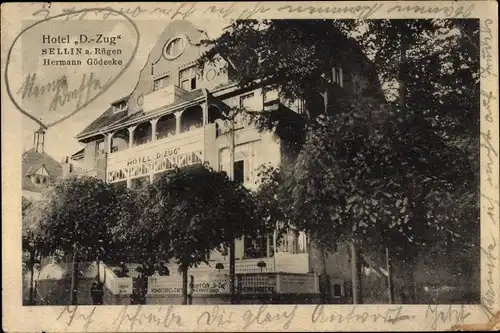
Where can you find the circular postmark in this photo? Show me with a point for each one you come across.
(61, 57)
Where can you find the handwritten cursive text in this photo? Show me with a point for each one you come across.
(488, 298)
(265, 315)
(217, 317)
(60, 92)
(138, 316)
(73, 314)
(487, 49)
(392, 315)
(450, 315)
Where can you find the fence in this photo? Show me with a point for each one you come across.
(215, 283)
(261, 265)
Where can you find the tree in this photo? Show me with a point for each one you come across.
(390, 173)
(431, 69)
(194, 211)
(298, 67)
(30, 240)
(77, 219)
(130, 238)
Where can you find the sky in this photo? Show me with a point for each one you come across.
(60, 139)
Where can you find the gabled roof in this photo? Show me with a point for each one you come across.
(32, 161)
(107, 118)
(36, 169)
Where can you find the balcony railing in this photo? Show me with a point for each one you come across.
(157, 156)
(194, 133)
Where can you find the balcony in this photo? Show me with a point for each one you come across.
(157, 156)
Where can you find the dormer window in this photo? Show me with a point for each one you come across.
(40, 177)
(161, 82)
(120, 106)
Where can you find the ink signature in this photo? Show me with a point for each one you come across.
(60, 92)
(450, 315)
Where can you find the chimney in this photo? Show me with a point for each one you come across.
(39, 140)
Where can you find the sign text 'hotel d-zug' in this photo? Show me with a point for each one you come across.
(151, 159)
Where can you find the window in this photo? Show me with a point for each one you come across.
(99, 147)
(248, 101)
(187, 78)
(337, 290)
(37, 180)
(239, 172)
(174, 48)
(161, 82)
(337, 76)
(120, 106)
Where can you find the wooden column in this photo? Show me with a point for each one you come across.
(153, 129)
(131, 136)
(178, 117)
(109, 141)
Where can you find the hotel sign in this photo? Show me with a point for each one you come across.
(144, 166)
(149, 159)
(157, 156)
(169, 286)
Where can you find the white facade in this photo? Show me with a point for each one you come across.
(172, 118)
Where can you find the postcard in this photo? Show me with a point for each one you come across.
(250, 166)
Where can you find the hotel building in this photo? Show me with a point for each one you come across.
(173, 118)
